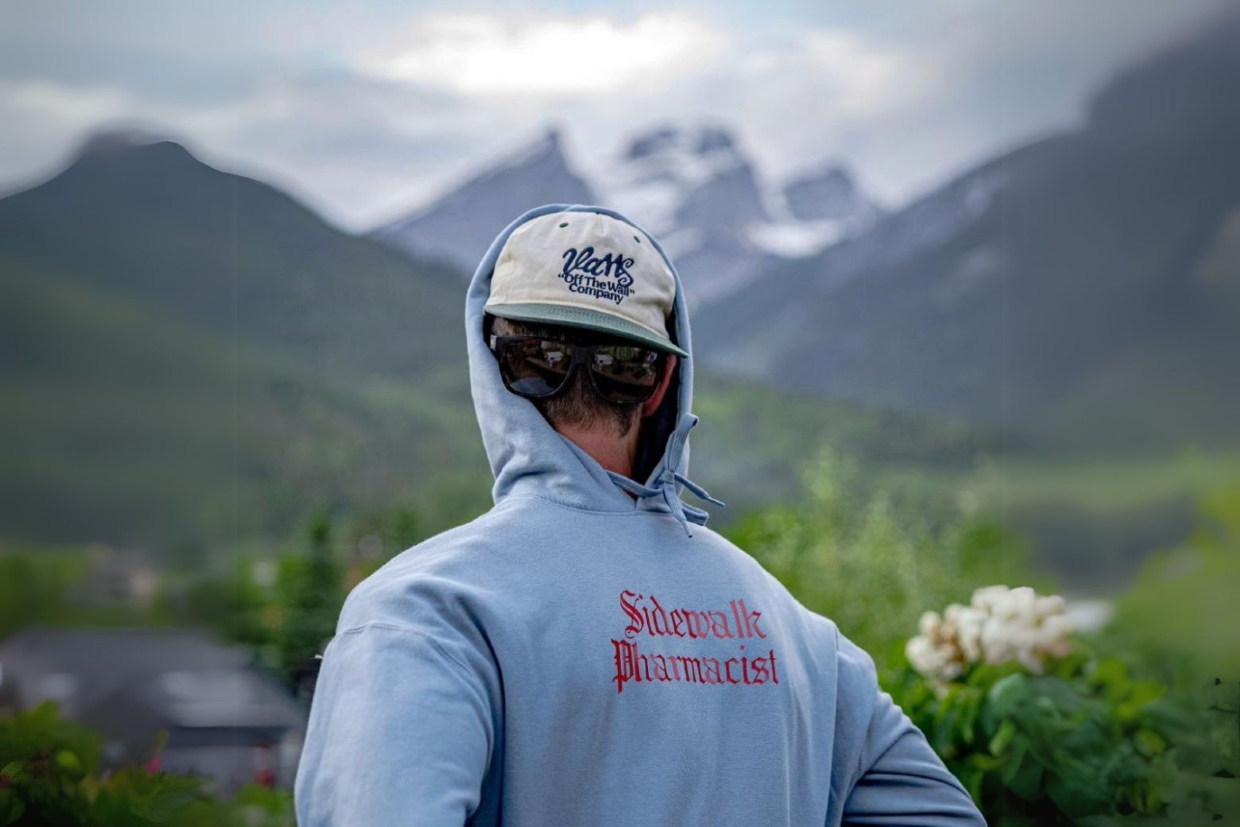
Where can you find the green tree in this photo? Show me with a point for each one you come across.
(33, 587)
(314, 596)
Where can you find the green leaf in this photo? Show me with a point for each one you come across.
(69, 763)
(1068, 667)
(968, 717)
(1074, 796)
(1149, 743)
(1007, 694)
(11, 807)
(972, 780)
(1003, 737)
(1108, 672)
(15, 771)
(1024, 776)
(1140, 695)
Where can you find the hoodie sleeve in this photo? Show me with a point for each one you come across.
(400, 733)
(901, 780)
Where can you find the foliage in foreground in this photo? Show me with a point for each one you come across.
(1081, 743)
(50, 774)
(1182, 610)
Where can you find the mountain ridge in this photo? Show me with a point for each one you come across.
(1013, 292)
(692, 185)
(458, 226)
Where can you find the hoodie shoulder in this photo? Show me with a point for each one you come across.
(420, 582)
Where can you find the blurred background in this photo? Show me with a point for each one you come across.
(965, 288)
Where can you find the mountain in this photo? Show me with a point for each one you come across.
(673, 179)
(692, 186)
(697, 193)
(813, 210)
(1082, 285)
(459, 227)
(188, 357)
(143, 220)
(829, 195)
(190, 360)
(830, 200)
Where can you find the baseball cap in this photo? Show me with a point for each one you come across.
(585, 270)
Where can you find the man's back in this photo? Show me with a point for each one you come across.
(588, 652)
(601, 668)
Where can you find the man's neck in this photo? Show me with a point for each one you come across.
(618, 455)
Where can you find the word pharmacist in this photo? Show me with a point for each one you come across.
(646, 614)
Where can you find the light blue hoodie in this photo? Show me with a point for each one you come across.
(580, 655)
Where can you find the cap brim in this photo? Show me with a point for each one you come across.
(583, 318)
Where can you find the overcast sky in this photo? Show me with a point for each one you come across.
(368, 109)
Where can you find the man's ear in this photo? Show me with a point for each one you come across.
(652, 404)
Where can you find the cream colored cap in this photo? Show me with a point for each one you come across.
(588, 270)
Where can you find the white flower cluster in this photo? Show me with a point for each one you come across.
(1002, 624)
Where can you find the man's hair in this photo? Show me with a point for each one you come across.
(579, 404)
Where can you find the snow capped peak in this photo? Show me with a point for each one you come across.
(659, 169)
(652, 142)
(815, 210)
(691, 141)
(828, 193)
(714, 139)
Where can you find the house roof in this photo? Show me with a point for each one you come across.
(183, 676)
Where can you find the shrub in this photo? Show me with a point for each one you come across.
(1040, 728)
(50, 774)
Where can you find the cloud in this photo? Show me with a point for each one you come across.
(487, 55)
(794, 98)
(366, 110)
(865, 77)
(67, 105)
(153, 73)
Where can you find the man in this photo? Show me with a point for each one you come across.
(588, 652)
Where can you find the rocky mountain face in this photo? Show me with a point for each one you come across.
(829, 195)
(691, 186)
(696, 191)
(460, 226)
(1076, 284)
(830, 199)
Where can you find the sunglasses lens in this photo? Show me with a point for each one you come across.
(531, 366)
(534, 367)
(624, 373)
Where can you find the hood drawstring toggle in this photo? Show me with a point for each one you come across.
(668, 477)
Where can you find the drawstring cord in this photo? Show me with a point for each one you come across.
(665, 486)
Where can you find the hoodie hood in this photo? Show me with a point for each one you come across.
(529, 458)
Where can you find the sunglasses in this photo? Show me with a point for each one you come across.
(536, 367)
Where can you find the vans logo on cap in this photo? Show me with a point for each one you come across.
(604, 277)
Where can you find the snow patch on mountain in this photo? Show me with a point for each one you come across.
(795, 239)
(658, 171)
